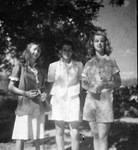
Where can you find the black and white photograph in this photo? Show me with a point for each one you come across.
(68, 75)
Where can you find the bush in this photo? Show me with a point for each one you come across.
(8, 103)
(126, 102)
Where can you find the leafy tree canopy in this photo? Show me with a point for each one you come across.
(48, 22)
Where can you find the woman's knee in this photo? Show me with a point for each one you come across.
(74, 134)
(103, 131)
(103, 136)
(94, 133)
(74, 130)
(59, 128)
(60, 132)
(20, 142)
(94, 129)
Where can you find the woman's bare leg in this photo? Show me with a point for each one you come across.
(74, 131)
(94, 132)
(60, 126)
(19, 144)
(103, 129)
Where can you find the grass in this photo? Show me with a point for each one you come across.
(122, 136)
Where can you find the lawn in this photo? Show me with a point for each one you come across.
(122, 136)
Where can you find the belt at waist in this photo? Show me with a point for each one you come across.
(96, 96)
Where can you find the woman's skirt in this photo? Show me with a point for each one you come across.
(29, 127)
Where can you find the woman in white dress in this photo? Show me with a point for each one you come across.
(65, 75)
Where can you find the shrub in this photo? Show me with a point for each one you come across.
(126, 102)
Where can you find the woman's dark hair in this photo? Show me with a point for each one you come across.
(67, 42)
(107, 49)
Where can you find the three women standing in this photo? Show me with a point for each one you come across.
(99, 76)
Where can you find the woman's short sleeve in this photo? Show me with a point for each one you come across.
(85, 70)
(115, 67)
(16, 71)
(51, 72)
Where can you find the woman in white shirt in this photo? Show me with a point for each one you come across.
(65, 75)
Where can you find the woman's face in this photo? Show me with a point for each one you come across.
(99, 44)
(35, 51)
(66, 52)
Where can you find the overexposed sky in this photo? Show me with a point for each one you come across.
(121, 26)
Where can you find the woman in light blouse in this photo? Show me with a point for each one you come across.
(99, 77)
(65, 75)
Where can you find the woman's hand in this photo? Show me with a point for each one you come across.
(31, 94)
(97, 87)
(85, 84)
(43, 97)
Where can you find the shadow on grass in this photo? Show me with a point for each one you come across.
(85, 145)
(6, 129)
(6, 132)
(124, 136)
(49, 124)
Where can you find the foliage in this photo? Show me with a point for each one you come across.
(126, 102)
(8, 104)
(117, 2)
(48, 22)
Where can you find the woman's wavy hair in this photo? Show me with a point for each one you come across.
(107, 49)
(25, 57)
